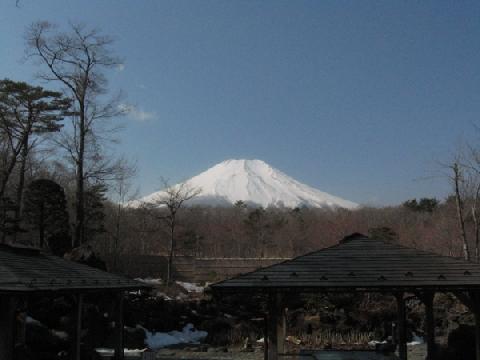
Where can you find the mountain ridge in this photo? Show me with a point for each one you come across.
(254, 182)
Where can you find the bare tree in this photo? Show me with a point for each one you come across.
(77, 59)
(458, 180)
(123, 194)
(472, 169)
(169, 203)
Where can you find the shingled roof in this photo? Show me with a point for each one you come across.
(360, 263)
(31, 270)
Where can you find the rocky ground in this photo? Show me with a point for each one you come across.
(414, 353)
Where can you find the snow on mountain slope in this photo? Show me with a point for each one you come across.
(257, 183)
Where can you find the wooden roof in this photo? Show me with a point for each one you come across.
(30, 270)
(361, 264)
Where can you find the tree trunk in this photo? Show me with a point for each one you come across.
(460, 217)
(117, 236)
(476, 224)
(477, 233)
(79, 193)
(21, 183)
(171, 253)
(6, 174)
(41, 225)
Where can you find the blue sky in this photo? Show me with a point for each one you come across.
(359, 99)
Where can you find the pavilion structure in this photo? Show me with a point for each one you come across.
(26, 272)
(360, 264)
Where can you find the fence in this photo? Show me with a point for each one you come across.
(189, 268)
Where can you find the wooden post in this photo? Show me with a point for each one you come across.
(427, 300)
(119, 327)
(265, 337)
(471, 300)
(7, 327)
(281, 324)
(273, 320)
(477, 333)
(475, 308)
(77, 338)
(401, 327)
(21, 328)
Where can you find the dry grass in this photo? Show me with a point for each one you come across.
(334, 338)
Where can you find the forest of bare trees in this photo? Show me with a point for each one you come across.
(241, 231)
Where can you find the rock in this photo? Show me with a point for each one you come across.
(219, 330)
(293, 340)
(203, 348)
(385, 348)
(85, 255)
(247, 344)
(134, 338)
(40, 339)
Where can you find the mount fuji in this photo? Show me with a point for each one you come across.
(255, 183)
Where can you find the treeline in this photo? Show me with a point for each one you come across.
(242, 231)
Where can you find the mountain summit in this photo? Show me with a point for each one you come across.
(257, 183)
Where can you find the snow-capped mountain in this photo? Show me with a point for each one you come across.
(253, 182)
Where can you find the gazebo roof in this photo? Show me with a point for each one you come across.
(31, 270)
(361, 264)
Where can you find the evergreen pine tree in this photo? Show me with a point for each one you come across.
(45, 212)
(94, 210)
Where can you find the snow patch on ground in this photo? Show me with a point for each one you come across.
(190, 287)
(164, 296)
(189, 335)
(60, 334)
(127, 352)
(30, 320)
(417, 340)
(376, 342)
(150, 281)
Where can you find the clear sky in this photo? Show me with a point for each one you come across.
(359, 99)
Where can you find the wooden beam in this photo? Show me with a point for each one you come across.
(427, 299)
(477, 334)
(281, 324)
(77, 338)
(21, 323)
(401, 327)
(265, 336)
(273, 320)
(7, 326)
(475, 308)
(119, 327)
(471, 300)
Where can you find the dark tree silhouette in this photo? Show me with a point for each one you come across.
(383, 233)
(423, 205)
(94, 210)
(8, 222)
(26, 110)
(45, 212)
